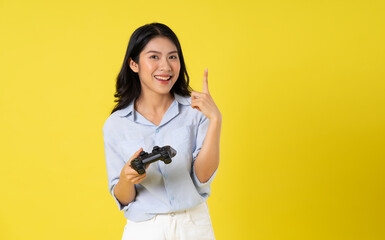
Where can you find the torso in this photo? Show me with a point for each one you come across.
(167, 187)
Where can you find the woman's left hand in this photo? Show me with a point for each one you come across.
(203, 101)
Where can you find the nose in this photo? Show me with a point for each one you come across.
(164, 65)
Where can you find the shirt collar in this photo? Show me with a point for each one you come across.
(182, 100)
(127, 110)
(130, 108)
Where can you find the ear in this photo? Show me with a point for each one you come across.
(133, 65)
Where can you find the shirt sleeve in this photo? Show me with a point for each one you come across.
(203, 188)
(114, 163)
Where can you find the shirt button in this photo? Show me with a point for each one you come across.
(172, 214)
(157, 130)
(165, 176)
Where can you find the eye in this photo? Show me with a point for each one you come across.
(173, 57)
(153, 56)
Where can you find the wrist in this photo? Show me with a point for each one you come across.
(216, 119)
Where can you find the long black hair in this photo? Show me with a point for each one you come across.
(128, 84)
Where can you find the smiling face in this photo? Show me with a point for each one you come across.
(158, 66)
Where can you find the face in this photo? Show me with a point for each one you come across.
(158, 66)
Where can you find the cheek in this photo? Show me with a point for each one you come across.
(148, 66)
(176, 67)
(176, 70)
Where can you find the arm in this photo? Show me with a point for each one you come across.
(124, 190)
(207, 160)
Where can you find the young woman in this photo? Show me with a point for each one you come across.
(156, 107)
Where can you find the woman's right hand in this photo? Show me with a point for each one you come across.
(128, 174)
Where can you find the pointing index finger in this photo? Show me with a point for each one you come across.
(205, 82)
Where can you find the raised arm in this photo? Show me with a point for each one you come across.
(207, 160)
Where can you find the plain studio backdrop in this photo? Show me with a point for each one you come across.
(300, 84)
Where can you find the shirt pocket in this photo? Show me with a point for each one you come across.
(130, 147)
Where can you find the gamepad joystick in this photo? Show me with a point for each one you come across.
(158, 153)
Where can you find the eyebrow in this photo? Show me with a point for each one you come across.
(152, 51)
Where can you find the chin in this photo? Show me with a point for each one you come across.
(164, 92)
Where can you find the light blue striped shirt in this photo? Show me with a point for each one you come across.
(167, 187)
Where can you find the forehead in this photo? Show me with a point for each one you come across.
(160, 44)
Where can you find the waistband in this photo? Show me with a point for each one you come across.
(199, 206)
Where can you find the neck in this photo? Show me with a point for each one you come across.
(153, 103)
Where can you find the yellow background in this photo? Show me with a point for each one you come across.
(300, 84)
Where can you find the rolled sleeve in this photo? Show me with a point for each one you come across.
(120, 206)
(205, 184)
(200, 135)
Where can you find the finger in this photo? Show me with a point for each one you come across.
(195, 95)
(195, 106)
(138, 178)
(135, 174)
(205, 81)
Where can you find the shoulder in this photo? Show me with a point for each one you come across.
(113, 122)
(110, 123)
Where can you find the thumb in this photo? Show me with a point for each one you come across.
(136, 154)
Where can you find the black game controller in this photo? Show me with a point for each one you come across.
(158, 153)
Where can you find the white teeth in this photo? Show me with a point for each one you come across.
(162, 78)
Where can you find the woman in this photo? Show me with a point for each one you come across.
(155, 107)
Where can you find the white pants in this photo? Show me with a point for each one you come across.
(194, 224)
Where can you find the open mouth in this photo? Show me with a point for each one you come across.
(162, 78)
